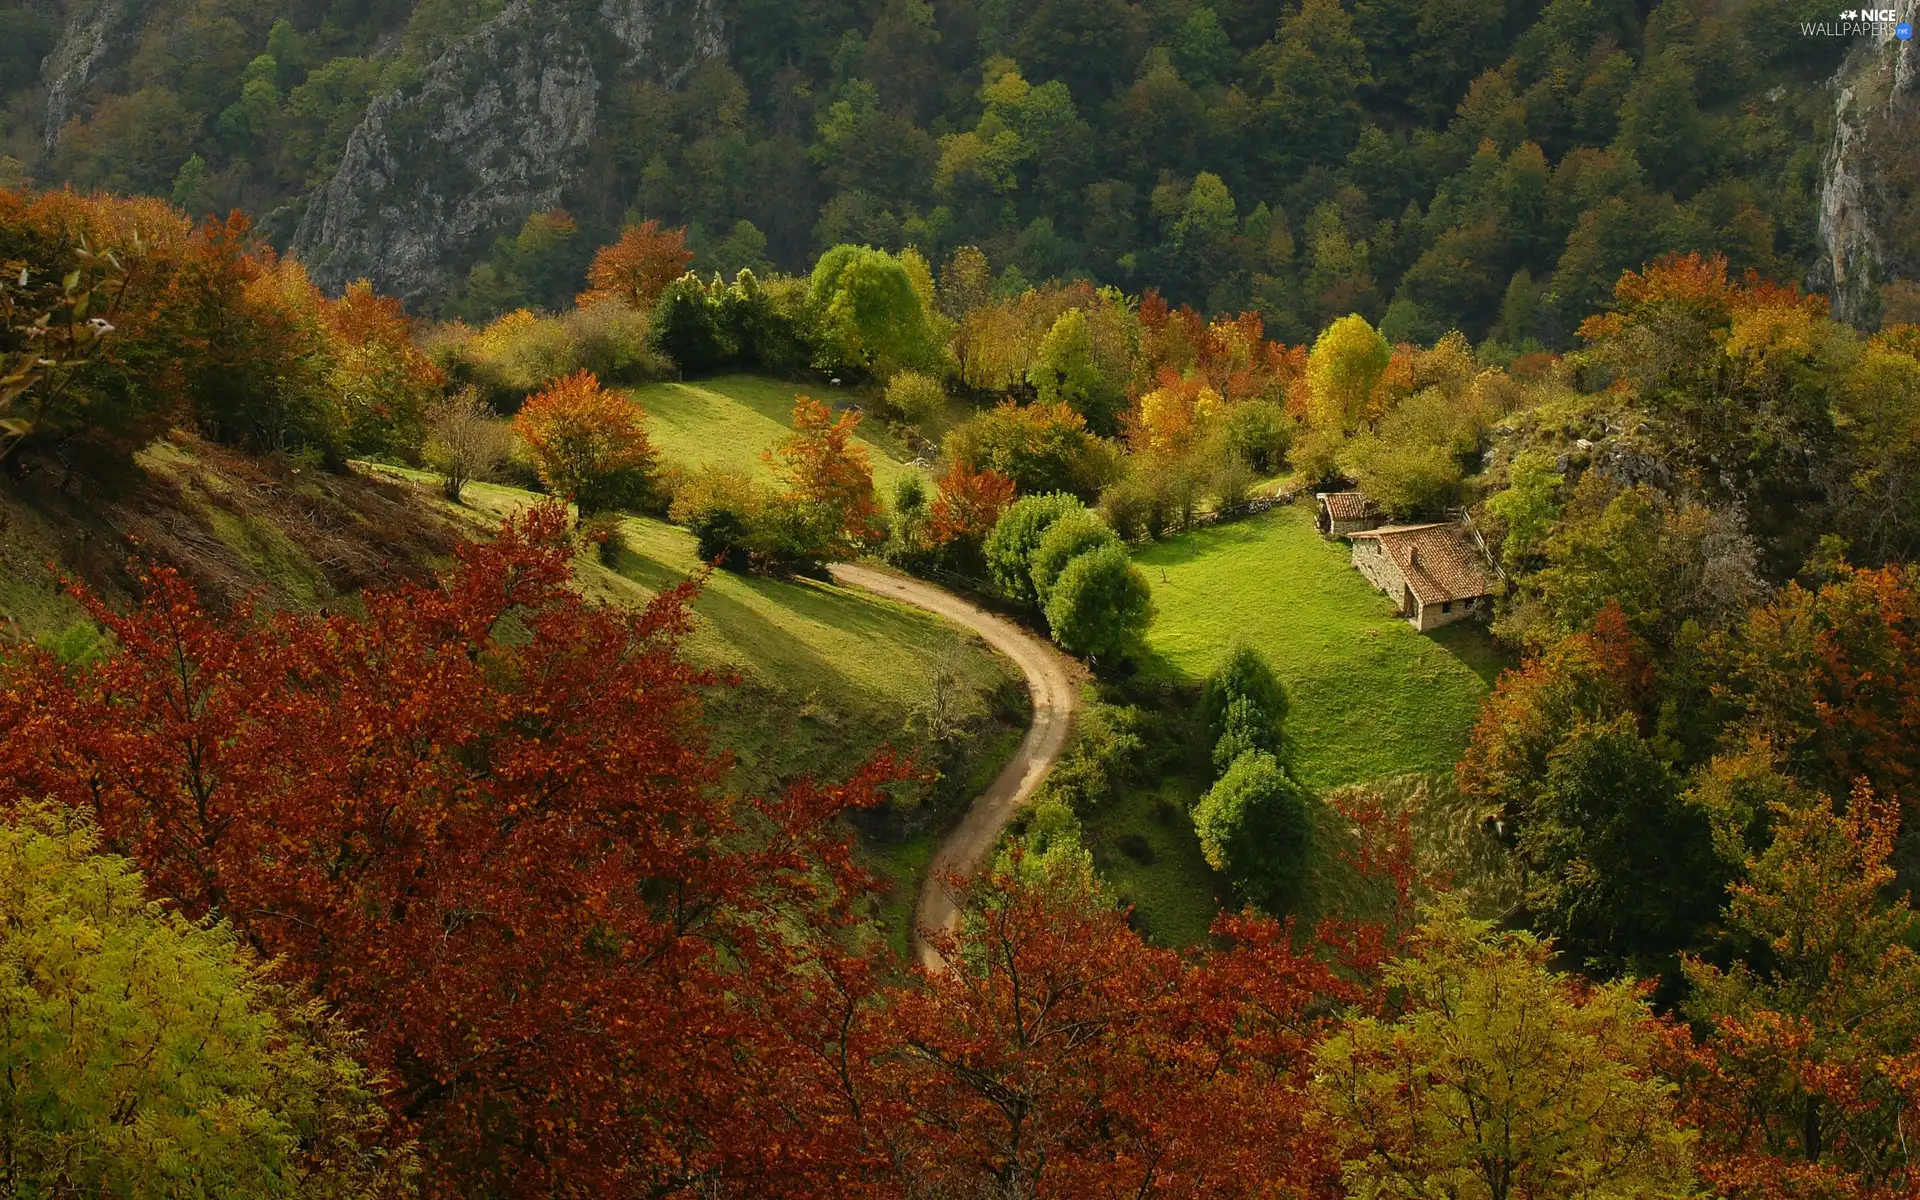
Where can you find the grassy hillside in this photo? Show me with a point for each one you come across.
(733, 419)
(1370, 696)
(233, 525)
(825, 675)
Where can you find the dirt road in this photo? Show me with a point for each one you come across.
(1052, 679)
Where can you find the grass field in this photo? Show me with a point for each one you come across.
(731, 420)
(1370, 697)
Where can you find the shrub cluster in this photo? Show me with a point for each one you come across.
(1254, 823)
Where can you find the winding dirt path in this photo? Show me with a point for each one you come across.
(1053, 682)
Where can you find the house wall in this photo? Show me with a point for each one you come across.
(1342, 529)
(1427, 617)
(1379, 569)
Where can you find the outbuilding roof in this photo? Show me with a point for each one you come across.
(1348, 506)
(1440, 563)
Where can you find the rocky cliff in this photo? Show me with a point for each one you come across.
(1869, 230)
(495, 128)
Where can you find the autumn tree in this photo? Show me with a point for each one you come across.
(969, 505)
(589, 444)
(1500, 1078)
(380, 381)
(480, 820)
(638, 267)
(1831, 678)
(1059, 1055)
(829, 481)
(1347, 360)
(1807, 1080)
(148, 1055)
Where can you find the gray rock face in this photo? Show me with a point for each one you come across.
(1876, 116)
(92, 34)
(493, 130)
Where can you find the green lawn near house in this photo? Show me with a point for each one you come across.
(731, 420)
(1370, 697)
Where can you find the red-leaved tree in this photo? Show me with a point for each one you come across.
(481, 821)
(1064, 1057)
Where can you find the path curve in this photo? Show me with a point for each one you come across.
(1052, 681)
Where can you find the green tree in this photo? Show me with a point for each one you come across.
(872, 318)
(1623, 868)
(1312, 73)
(1016, 535)
(1100, 605)
(1065, 371)
(1528, 504)
(1255, 828)
(1501, 1080)
(1243, 674)
(687, 327)
(144, 1055)
(1074, 534)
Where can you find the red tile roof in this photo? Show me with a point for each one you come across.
(1348, 506)
(1439, 561)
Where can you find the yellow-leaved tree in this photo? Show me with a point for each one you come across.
(1501, 1079)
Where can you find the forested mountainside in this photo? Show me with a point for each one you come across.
(1487, 164)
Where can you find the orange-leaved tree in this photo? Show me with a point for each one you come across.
(829, 482)
(638, 267)
(481, 821)
(969, 503)
(589, 444)
(381, 382)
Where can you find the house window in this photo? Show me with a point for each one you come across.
(1446, 606)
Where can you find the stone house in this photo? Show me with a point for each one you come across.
(1434, 573)
(1343, 514)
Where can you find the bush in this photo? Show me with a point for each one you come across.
(1016, 535)
(1255, 829)
(1230, 483)
(1243, 673)
(1066, 539)
(614, 341)
(916, 397)
(1100, 604)
(1108, 750)
(722, 507)
(1244, 726)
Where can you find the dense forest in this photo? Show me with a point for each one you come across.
(407, 409)
(1429, 165)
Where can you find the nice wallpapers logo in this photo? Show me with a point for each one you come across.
(1861, 22)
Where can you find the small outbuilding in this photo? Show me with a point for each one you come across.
(1342, 514)
(1435, 573)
